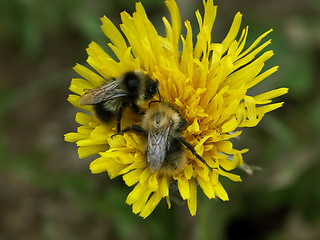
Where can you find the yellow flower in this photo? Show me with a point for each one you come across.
(206, 82)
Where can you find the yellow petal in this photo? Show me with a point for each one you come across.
(207, 187)
(150, 205)
(247, 73)
(98, 165)
(192, 201)
(188, 171)
(183, 185)
(261, 77)
(230, 125)
(83, 118)
(194, 127)
(186, 62)
(153, 182)
(140, 204)
(224, 146)
(113, 34)
(233, 177)
(132, 177)
(91, 142)
(221, 192)
(269, 108)
(136, 193)
(233, 32)
(168, 202)
(248, 58)
(92, 77)
(164, 186)
(79, 86)
(255, 43)
(251, 107)
(73, 137)
(87, 151)
(270, 94)
(173, 34)
(145, 175)
(242, 41)
(205, 25)
(74, 100)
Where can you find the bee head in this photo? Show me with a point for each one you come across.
(160, 116)
(151, 88)
(159, 120)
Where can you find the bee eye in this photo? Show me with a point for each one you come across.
(150, 91)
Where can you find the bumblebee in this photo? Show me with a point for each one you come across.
(108, 100)
(163, 126)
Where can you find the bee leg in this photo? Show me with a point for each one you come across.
(122, 106)
(193, 151)
(134, 128)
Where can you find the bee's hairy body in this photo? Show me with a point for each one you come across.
(165, 149)
(175, 158)
(108, 100)
(106, 111)
(161, 121)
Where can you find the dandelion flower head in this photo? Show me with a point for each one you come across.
(206, 82)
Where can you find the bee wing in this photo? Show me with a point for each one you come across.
(157, 148)
(102, 93)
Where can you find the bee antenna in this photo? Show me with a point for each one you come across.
(159, 94)
(158, 101)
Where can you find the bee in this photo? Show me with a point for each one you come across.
(163, 127)
(108, 100)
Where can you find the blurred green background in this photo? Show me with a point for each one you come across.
(46, 192)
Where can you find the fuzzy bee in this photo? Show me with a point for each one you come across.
(108, 100)
(163, 126)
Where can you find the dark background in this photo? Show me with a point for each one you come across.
(47, 192)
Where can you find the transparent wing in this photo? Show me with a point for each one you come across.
(102, 93)
(157, 148)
